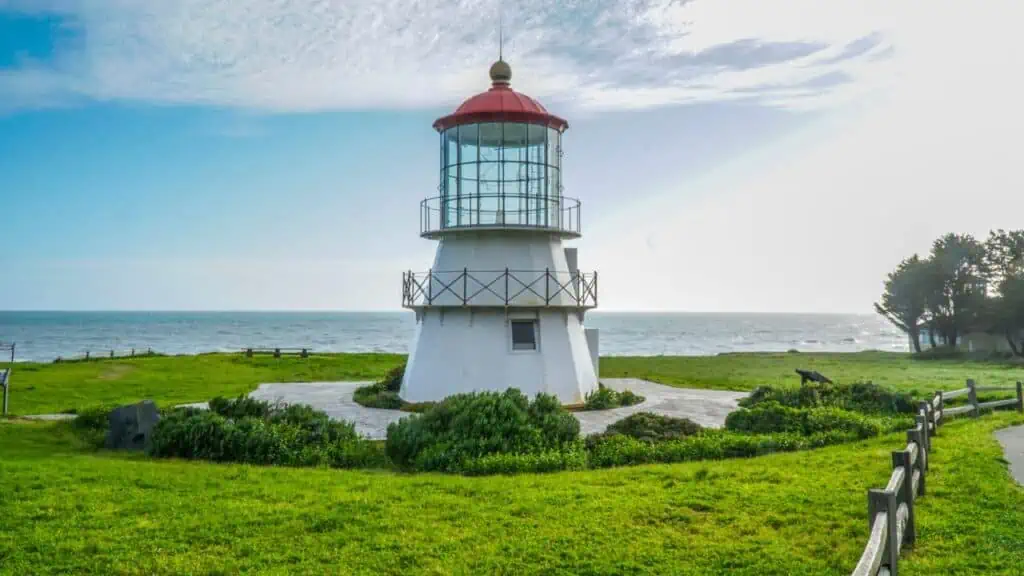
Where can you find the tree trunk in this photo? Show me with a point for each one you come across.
(952, 338)
(915, 337)
(1013, 345)
(931, 336)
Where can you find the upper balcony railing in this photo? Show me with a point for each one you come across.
(499, 288)
(440, 215)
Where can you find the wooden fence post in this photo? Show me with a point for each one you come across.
(111, 353)
(902, 458)
(885, 501)
(929, 419)
(86, 354)
(972, 397)
(277, 352)
(1020, 396)
(942, 409)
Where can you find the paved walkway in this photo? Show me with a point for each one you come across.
(1012, 440)
(705, 407)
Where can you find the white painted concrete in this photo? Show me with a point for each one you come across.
(486, 255)
(593, 346)
(464, 350)
(465, 346)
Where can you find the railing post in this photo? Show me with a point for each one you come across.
(885, 501)
(547, 286)
(465, 276)
(430, 287)
(972, 397)
(902, 458)
(1020, 396)
(506, 287)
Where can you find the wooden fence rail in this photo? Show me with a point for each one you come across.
(891, 510)
(102, 354)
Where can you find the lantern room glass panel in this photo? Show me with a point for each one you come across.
(500, 174)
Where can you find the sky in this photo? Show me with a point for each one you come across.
(730, 155)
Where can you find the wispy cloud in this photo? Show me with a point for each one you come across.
(298, 55)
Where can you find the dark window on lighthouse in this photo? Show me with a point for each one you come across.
(524, 334)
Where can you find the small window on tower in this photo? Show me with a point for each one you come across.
(524, 334)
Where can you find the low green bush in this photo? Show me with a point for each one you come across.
(622, 450)
(382, 394)
(605, 398)
(773, 418)
(649, 427)
(464, 427)
(573, 458)
(295, 435)
(860, 397)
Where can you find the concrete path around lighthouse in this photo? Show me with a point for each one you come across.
(1012, 440)
(705, 407)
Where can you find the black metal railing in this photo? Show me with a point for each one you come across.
(503, 211)
(508, 288)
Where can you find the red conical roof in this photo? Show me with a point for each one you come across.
(501, 104)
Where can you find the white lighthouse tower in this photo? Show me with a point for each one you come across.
(503, 305)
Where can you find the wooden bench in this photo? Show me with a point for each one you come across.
(277, 352)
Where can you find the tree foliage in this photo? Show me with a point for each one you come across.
(904, 299)
(963, 286)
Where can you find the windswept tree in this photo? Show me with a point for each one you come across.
(957, 285)
(905, 298)
(1004, 255)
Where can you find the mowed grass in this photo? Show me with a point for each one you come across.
(748, 371)
(49, 388)
(68, 509)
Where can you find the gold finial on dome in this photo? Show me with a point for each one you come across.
(501, 73)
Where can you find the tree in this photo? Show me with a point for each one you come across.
(956, 285)
(1004, 254)
(905, 297)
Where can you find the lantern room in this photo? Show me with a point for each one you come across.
(500, 166)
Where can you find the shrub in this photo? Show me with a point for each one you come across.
(574, 458)
(772, 418)
(653, 427)
(861, 397)
(605, 398)
(295, 435)
(94, 419)
(240, 407)
(384, 393)
(469, 426)
(622, 450)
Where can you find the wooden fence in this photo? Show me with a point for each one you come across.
(277, 352)
(891, 509)
(106, 354)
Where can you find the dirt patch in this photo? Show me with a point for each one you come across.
(116, 372)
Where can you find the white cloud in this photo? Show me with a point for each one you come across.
(329, 54)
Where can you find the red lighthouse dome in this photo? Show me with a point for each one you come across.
(501, 104)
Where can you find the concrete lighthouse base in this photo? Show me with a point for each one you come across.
(460, 350)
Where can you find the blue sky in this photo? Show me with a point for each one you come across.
(207, 154)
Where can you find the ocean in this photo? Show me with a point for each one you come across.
(43, 336)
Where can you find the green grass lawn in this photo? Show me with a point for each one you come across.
(50, 388)
(748, 371)
(68, 509)
(46, 388)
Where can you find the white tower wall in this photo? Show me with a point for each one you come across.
(465, 350)
(469, 348)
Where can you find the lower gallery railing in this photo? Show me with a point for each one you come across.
(508, 288)
(891, 510)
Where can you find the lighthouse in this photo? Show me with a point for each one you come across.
(503, 304)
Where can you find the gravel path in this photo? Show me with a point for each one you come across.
(705, 407)
(1012, 440)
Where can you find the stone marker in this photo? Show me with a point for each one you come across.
(131, 426)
